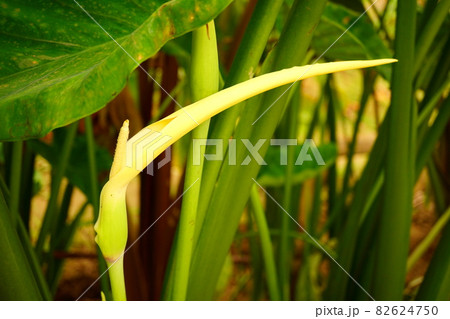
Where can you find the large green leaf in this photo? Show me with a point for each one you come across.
(57, 65)
(360, 41)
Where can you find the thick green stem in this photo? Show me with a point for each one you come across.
(50, 213)
(15, 178)
(348, 238)
(117, 280)
(93, 179)
(27, 184)
(395, 219)
(365, 190)
(266, 244)
(429, 32)
(16, 275)
(436, 283)
(432, 135)
(34, 263)
(428, 108)
(369, 79)
(244, 65)
(428, 240)
(333, 105)
(4, 188)
(436, 184)
(226, 210)
(285, 243)
(204, 82)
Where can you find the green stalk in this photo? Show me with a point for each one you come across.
(429, 32)
(228, 199)
(266, 244)
(112, 233)
(439, 76)
(436, 283)
(33, 261)
(27, 184)
(348, 237)
(256, 258)
(15, 178)
(366, 188)
(430, 5)
(338, 215)
(364, 257)
(314, 215)
(56, 231)
(95, 191)
(424, 76)
(305, 284)
(244, 65)
(432, 136)
(369, 79)
(436, 184)
(428, 240)
(395, 219)
(428, 108)
(4, 188)
(167, 101)
(92, 166)
(63, 243)
(51, 211)
(21, 229)
(333, 105)
(315, 118)
(116, 276)
(285, 243)
(94, 188)
(16, 277)
(204, 82)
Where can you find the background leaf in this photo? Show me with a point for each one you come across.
(274, 175)
(360, 42)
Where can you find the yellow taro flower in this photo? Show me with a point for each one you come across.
(132, 156)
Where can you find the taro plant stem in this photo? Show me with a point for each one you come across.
(204, 82)
(228, 199)
(395, 219)
(266, 244)
(16, 275)
(428, 240)
(50, 213)
(285, 242)
(111, 226)
(90, 142)
(244, 64)
(15, 178)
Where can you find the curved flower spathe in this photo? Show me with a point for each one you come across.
(134, 155)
